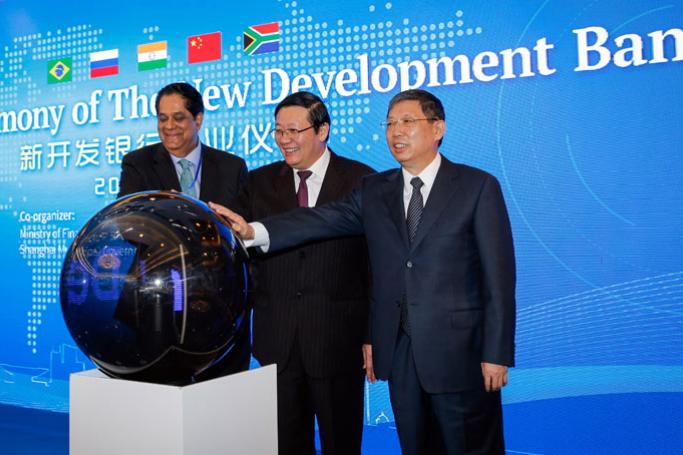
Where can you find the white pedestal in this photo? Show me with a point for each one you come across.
(235, 414)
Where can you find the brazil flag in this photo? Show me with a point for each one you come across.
(59, 70)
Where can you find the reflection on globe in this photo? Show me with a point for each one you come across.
(154, 288)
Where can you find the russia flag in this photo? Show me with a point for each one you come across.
(104, 63)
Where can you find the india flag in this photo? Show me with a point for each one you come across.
(152, 56)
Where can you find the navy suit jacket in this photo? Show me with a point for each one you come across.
(458, 275)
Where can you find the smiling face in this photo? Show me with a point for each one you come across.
(414, 146)
(300, 150)
(178, 130)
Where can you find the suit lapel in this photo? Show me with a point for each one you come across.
(441, 193)
(333, 184)
(165, 169)
(393, 197)
(283, 187)
(210, 177)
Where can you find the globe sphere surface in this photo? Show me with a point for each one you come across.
(154, 288)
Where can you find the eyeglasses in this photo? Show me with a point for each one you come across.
(279, 133)
(405, 122)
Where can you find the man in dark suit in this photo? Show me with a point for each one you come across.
(208, 174)
(443, 268)
(181, 162)
(310, 302)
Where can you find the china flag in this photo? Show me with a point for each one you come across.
(204, 48)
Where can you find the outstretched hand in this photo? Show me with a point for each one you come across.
(234, 221)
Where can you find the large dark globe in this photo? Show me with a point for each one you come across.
(154, 288)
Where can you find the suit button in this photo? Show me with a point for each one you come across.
(409, 264)
(299, 294)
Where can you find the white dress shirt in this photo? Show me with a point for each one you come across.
(194, 157)
(315, 181)
(314, 184)
(428, 175)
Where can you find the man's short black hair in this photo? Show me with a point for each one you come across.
(317, 111)
(193, 99)
(430, 104)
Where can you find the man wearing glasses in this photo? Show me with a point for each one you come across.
(310, 302)
(443, 272)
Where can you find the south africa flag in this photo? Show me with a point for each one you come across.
(261, 39)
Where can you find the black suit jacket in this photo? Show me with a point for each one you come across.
(318, 291)
(458, 274)
(223, 175)
(151, 168)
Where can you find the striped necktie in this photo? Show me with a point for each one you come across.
(415, 207)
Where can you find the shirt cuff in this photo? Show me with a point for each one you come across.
(261, 238)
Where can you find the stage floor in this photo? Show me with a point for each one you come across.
(608, 424)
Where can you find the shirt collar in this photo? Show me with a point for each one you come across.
(428, 174)
(193, 157)
(320, 166)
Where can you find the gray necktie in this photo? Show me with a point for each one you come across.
(415, 207)
(187, 177)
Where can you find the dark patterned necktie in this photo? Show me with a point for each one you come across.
(302, 192)
(413, 218)
(415, 207)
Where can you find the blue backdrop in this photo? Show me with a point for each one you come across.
(575, 106)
